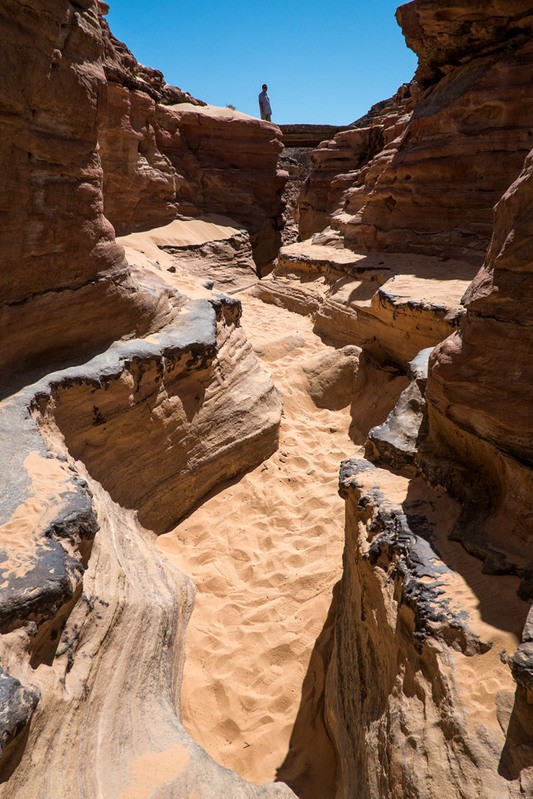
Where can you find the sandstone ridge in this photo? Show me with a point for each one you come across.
(178, 392)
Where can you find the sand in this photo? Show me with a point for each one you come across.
(264, 553)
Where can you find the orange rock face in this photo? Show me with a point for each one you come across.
(74, 104)
(342, 162)
(87, 146)
(432, 189)
(50, 164)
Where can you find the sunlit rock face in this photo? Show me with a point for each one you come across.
(342, 162)
(432, 189)
(164, 153)
(419, 698)
(82, 329)
(429, 686)
(55, 286)
(87, 146)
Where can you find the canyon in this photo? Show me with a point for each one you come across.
(265, 507)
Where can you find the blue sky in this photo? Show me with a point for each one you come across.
(323, 66)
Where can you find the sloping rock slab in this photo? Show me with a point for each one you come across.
(391, 305)
(405, 539)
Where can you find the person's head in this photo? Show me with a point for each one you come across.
(264, 87)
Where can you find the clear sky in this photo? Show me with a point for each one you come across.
(323, 65)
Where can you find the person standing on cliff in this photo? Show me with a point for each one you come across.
(264, 104)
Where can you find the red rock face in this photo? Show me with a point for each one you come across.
(481, 382)
(432, 190)
(85, 143)
(455, 32)
(163, 154)
(62, 272)
(342, 163)
(228, 166)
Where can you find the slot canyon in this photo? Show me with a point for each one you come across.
(266, 506)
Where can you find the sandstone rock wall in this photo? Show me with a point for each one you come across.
(432, 189)
(418, 620)
(480, 384)
(228, 164)
(98, 347)
(402, 706)
(83, 150)
(341, 162)
(164, 153)
(54, 286)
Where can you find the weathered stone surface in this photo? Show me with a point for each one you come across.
(331, 379)
(481, 380)
(338, 163)
(156, 398)
(203, 369)
(228, 163)
(165, 152)
(91, 136)
(296, 162)
(391, 305)
(395, 442)
(308, 135)
(84, 143)
(432, 187)
(126, 348)
(52, 182)
(210, 249)
(17, 705)
(522, 661)
(397, 705)
(456, 32)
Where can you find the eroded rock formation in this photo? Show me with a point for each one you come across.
(404, 184)
(87, 141)
(480, 387)
(95, 349)
(431, 185)
(131, 392)
(164, 152)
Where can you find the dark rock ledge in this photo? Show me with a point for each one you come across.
(41, 567)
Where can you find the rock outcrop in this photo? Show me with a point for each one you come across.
(479, 391)
(55, 286)
(88, 142)
(437, 566)
(165, 390)
(96, 351)
(165, 153)
(131, 392)
(432, 186)
(392, 305)
(413, 626)
(340, 163)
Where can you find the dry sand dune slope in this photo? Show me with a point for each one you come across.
(264, 553)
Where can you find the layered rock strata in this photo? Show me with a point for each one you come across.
(94, 348)
(337, 163)
(479, 390)
(404, 716)
(392, 305)
(432, 186)
(164, 390)
(166, 153)
(55, 287)
(87, 141)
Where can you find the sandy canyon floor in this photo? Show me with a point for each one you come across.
(265, 552)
